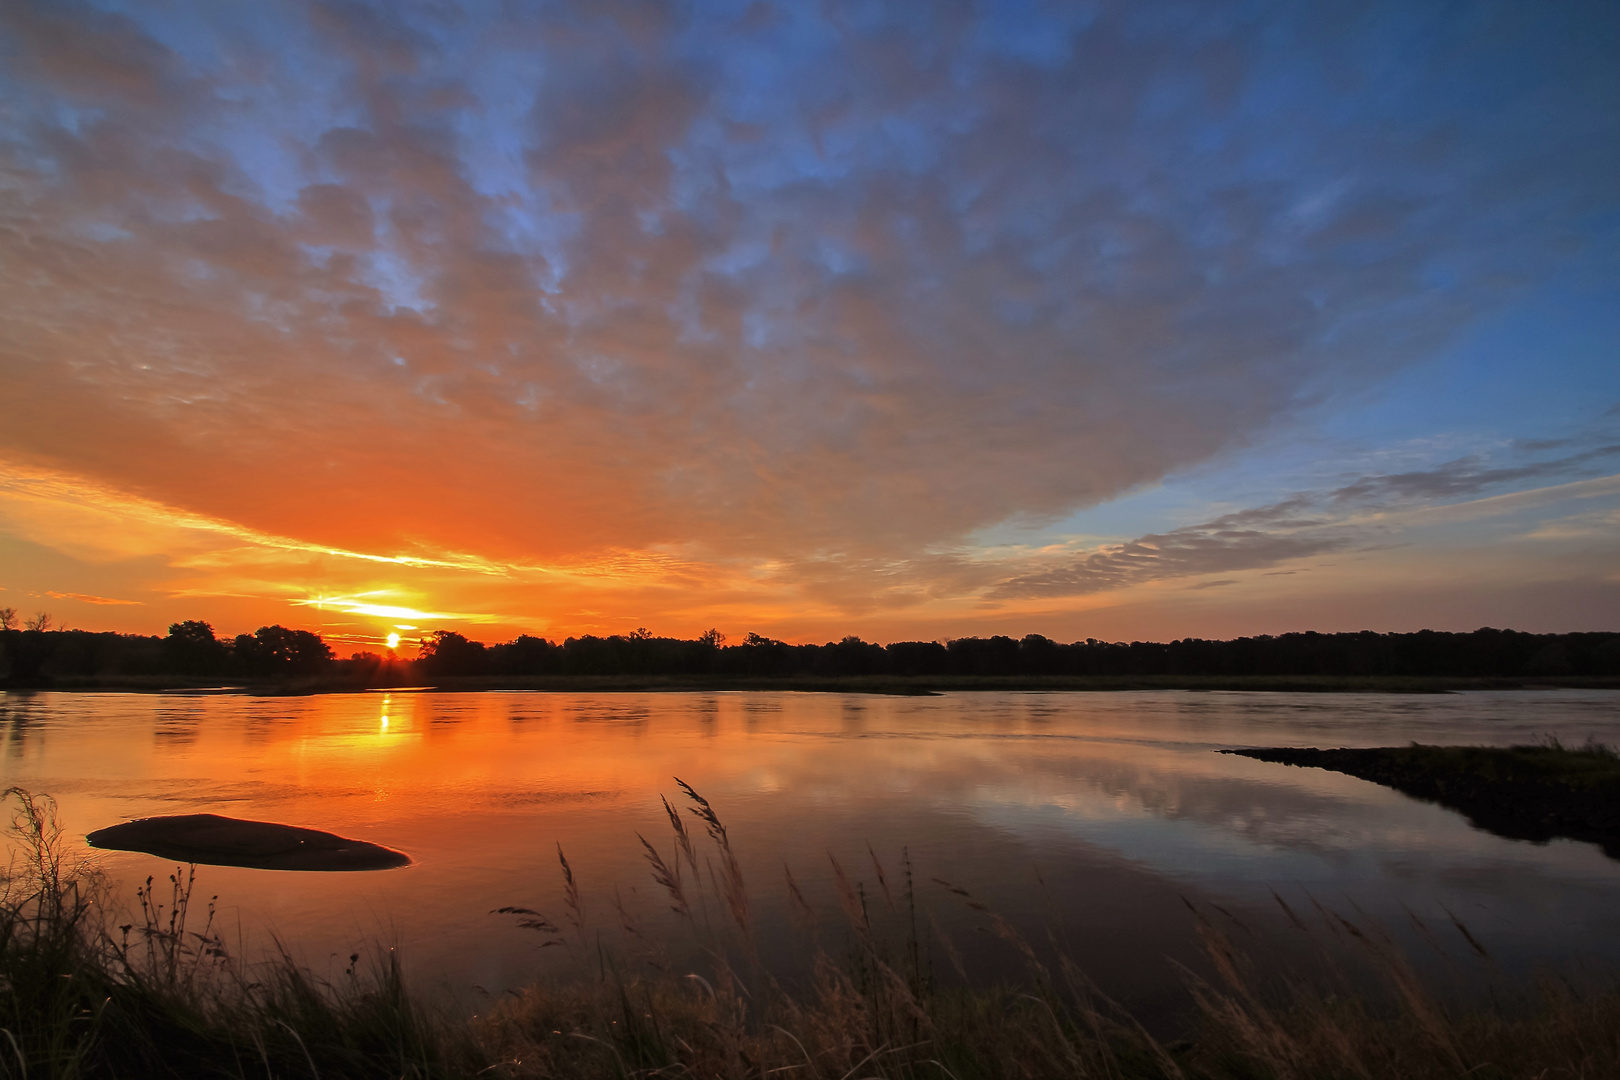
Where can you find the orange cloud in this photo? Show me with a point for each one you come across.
(85, 598)
(175, 565)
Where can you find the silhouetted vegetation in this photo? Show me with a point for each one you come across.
(1521, 792)
(191, 651)
(43, 658)
(1483, 653)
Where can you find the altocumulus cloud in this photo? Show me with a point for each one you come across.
(1247, 540)
(754, 282)
(1365, 513)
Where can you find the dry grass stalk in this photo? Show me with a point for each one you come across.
(627, 922)
(882, 879)
(854, 904)
(530, 919)
(1473, 942)
(571, 898)
(1245, 1015)
(683, 840)
(952, 954)
(730, 879)
(667, 878)
(802, 911)
(704, 812)
(1419, 1004)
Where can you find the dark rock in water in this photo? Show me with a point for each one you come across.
(260, 845)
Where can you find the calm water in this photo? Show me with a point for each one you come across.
(1116, 802)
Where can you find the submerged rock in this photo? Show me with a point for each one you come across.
(259, 845)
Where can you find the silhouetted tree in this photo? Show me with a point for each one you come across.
(192, 649)
(445, 652)
(852, 656)
(759, 656)
(27, 653)
(918, 658)
(278, 651)
(1551, 660)
(526, 655)
(34, 657)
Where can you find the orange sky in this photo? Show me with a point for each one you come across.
(102, 559)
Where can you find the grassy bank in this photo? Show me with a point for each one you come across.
(1520, 792)
(902, 685)
(88, 992)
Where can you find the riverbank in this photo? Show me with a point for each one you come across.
(1533, 793)
(851, 684)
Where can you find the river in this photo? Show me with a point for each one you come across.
(1096, 816)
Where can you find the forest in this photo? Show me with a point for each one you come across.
(39, 656)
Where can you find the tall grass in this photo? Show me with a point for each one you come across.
(83, 994)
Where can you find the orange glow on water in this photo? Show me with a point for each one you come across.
(1117, 795)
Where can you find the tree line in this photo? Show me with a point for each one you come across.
(36, 655)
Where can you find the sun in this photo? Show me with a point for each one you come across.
(393, 641)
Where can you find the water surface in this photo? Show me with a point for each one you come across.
(1091, 813)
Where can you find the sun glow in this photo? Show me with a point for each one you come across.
(364, 604)
(393, 641)
(355, 606)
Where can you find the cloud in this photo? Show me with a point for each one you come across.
(91, 56)
(88, 599)
(1215, 547)
(104, 522)
(1308, 524)
(1596, 525)
(819, 293)
(1467, 476)
(1536, 446)
(367, 604)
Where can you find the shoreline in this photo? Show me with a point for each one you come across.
(887, 685)
(1533, 793)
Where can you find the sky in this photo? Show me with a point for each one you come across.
(908, 321)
